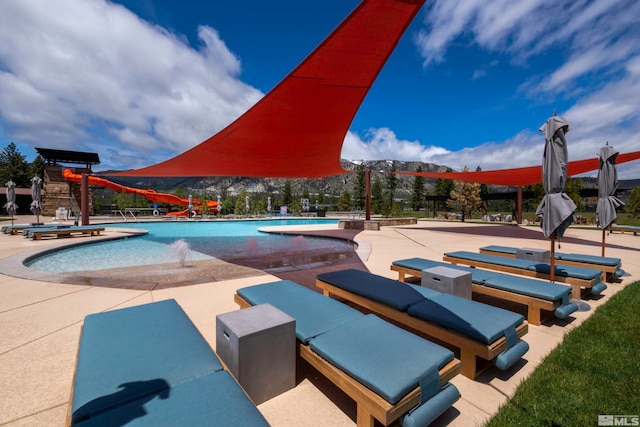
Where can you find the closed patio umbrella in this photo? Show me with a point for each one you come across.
(11, 206)
(36, 196)
(607, 185)
(556, 208)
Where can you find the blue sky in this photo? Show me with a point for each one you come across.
(139, 81)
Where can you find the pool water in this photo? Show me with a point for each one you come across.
(239, 242)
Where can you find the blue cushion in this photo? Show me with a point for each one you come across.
(567, 271)
(390, 292)
(480, 321)
(477, 276)
(428, 411)
(566, 309)
(386, 359)
(313, 312)
(215, 399)
(502, 249)
(598, 288)
(109, 355)
(531, 287)
(590, 259)
(492, 259)
(510, 356)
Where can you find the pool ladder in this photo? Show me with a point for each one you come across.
(124, 216)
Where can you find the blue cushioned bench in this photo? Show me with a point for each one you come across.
(612, 267)
(38, 233)
(626, 228)
(408, 378)
(537, 295)
(481, 334)
(577, 277)
(149, 366)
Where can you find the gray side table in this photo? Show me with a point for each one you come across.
(258, 346)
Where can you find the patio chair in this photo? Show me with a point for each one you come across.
(389, 372)
(577, 277)
(612, 267)
(482, 334)
(149, 365)
(538, 296)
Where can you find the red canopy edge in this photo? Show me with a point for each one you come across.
(298, 128)
(521, 176)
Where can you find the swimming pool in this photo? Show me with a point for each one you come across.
(236, 241)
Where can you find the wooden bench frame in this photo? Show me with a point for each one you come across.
(608, 270)
(535, 306)
(576, 283)
(370, 406)
(622, 229)
(469, 349)
(65, 232)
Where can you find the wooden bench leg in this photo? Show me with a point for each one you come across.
(468, 366)
(533, 315)
(365, 419)
(400, 276)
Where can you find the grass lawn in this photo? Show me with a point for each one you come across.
(595, 371)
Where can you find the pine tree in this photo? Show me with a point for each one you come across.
(14, 166)
(377, 198)
(419, 192)
(360, 188)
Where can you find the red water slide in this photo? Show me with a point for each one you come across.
(150, 195)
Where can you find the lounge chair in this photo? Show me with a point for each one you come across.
(612, 267)
(149, 365)
(475, 330)
(537, 295)
(626, 228)
(389, 372)
(577, 277)
(38, 233)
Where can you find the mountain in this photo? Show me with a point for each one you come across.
(332, 186)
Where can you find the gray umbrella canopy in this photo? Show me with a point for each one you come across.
(36, 196)
(11, 206)
(556, 209)
(607, 185)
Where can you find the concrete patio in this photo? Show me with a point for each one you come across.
(41, 320)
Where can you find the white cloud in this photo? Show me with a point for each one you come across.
(384, 144)
(97, 70)
(587, 39)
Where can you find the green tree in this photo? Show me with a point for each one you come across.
(443, 187)
(360, 188)
(537, 191)
(287, 195)
(14, 166)
(124, 200)
(36, 168)
(484, 192)
(241, 204)
(181, 192)
(377, 198)
(573, 188)
(633, 204)
(344, 203)
(391, 184)
(465, 196)
(419, 192)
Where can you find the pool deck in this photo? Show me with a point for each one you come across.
(41, 319)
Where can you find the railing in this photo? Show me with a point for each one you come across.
(124, 215)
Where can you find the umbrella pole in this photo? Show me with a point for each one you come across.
(552, 272)
(603, 234)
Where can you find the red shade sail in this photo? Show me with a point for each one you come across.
(297, 129)
(521, 176)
